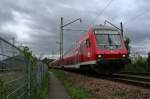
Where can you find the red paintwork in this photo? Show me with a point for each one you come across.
(70, 59)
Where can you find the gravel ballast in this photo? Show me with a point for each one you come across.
(106, 89)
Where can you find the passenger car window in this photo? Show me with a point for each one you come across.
(81, 48)
(88, 43)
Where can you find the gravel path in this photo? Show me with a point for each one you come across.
(56, 89)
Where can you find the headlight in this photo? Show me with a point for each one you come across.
(99, 56)
(123, 55)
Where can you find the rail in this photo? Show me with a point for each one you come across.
(140, 79)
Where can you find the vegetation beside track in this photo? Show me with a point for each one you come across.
(139, 64)
(74, 91)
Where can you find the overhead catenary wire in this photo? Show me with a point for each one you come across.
(75, 30)
(130, 21)
(103, 10)
(138, 16)
(105, 7)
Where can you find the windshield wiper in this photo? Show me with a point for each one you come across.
(109, 40)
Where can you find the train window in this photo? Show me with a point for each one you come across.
(76, 51)
(81, 48)
(88, 43)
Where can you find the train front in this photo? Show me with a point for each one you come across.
(111, 52)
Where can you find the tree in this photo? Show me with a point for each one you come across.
(29, 56)
(127, 42)
(45, 60)
(148, 58)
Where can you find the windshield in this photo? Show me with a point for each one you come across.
(108, 41)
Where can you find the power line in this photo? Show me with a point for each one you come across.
(108, 4)
(75, 30)
(137, 16)
(105, 7)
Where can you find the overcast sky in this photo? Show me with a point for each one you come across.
(36, 22)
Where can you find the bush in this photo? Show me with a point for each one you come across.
(139, 64)
(148, 59)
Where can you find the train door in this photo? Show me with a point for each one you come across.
(81, 52)
(77, 59)
(88, 49)
(84, 51)
(71, 57)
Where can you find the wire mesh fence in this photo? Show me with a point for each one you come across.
(19, 79)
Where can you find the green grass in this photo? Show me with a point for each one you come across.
(78, 93)
(74, 91)
(119, 95)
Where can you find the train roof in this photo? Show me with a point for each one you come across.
(104, 27)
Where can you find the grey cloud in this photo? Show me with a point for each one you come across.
(44, 19)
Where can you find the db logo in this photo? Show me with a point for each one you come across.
(111, 51)
(89, 54)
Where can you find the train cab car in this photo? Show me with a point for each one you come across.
(111, 52)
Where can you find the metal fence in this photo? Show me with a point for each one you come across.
(18, 78)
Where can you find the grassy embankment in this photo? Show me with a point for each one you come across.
(75, 92)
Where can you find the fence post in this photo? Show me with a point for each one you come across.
(2, 90)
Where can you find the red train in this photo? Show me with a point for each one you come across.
(102, 48)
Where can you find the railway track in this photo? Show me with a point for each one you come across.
(137, 73)
(136, 79)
